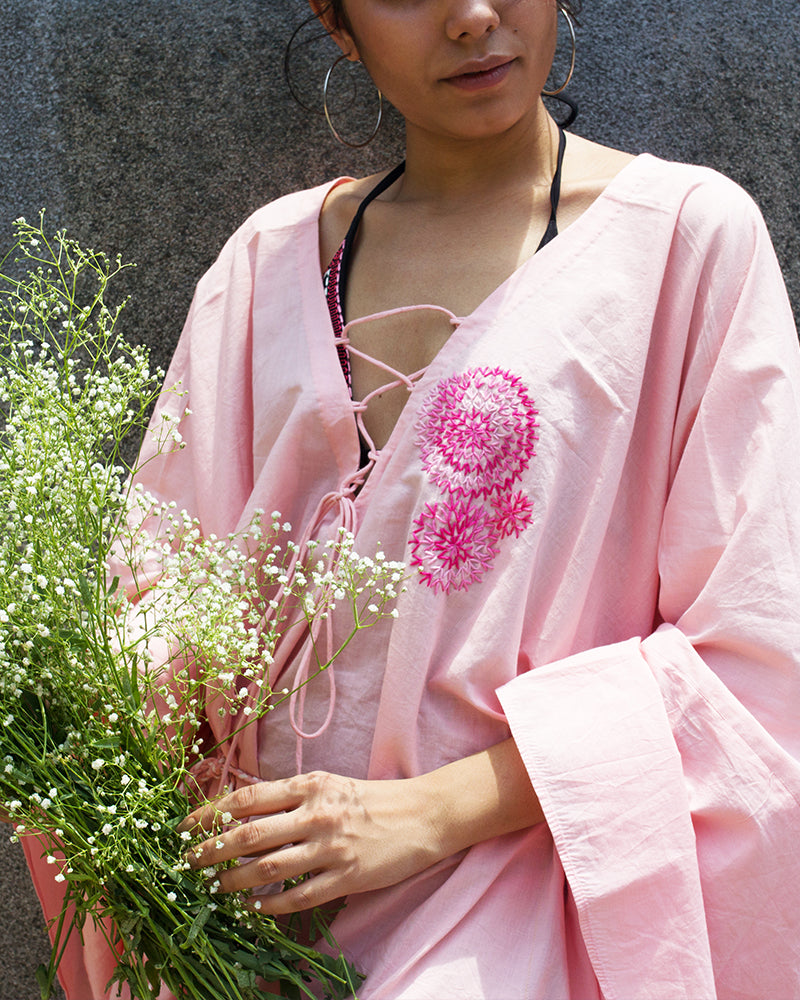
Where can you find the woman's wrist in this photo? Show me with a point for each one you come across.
(479, 797)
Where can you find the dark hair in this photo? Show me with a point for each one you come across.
(337, 6)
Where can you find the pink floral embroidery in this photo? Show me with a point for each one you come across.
(477, 435)
(477, 432)
(513, 513)
(453, 543)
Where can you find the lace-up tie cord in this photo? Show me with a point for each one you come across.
(341, 503)
(398, 378)
(344, 499)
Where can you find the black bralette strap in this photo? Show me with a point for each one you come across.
(349, 239)
(555, 192)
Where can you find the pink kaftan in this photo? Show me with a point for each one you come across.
(597, 485)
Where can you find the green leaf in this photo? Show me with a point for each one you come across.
(45, 980)
(86, 594)
(245, 979)
(127, 925)
(153, 975)
(198, 924)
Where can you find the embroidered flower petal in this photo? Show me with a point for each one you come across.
(477, 432)
(453, 544)
(513, 513)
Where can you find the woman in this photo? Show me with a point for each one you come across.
(569, 768)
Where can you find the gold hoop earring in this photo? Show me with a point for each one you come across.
(565, 84)
(332, 127)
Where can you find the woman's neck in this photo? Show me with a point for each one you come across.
(451, 171)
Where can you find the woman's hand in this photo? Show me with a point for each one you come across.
(351, 835)
(354, 835)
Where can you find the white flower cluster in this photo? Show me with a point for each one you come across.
(100, 731)
(221, 605)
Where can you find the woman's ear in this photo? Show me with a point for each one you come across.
(324, 12)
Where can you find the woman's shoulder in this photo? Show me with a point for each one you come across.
(270, 230)
(694, 195)
(289, 211)
(652, 178)
(329, 206)
(271, 237)
(340, 205)
(649, 201)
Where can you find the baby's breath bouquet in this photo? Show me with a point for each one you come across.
(101, 738)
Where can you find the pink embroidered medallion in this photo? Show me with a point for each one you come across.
(477, 432)
(453, 543)
(477, 435)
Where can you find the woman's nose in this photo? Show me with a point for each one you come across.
(471, 18)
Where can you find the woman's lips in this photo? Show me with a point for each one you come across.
(480, 79)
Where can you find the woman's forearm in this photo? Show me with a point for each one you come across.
(356, 835)
(485, 795)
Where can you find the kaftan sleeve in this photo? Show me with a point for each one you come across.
(667, 767)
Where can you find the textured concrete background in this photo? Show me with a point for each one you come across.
(154, 127)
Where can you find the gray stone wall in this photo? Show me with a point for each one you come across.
(154, 127)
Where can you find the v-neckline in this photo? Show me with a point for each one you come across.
(348, 453)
